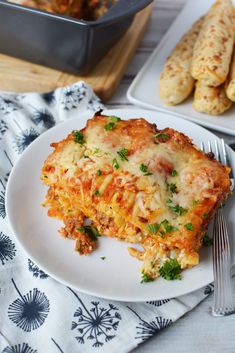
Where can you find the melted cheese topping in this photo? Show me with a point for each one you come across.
(136, 184)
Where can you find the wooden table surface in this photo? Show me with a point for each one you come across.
(197, 331)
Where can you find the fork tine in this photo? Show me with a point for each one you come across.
(226, 158)
(209, 146)
(217, 156)
(225, 155)
(202, 146)
(217, 152)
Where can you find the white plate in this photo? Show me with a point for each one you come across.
(117, 277)
(144, 89)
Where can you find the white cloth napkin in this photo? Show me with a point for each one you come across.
(37, 313)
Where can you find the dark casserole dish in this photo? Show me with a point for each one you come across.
(62, 42)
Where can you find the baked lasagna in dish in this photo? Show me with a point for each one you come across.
(81, 9)
(127, 179)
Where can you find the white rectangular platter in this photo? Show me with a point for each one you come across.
(144, 89)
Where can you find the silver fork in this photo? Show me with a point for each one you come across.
(224, 302)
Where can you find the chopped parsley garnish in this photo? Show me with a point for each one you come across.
(123, 152)
(172, 187)
(81, 229)
(97, 193)
(114, 119)
(170, 270)
(207, 241)
(164, 137)
(144, 169)
(78, 137)
(195, 202)
(167, 226)
(96, 150)
(91, 231)
(145, 278)
(115, 163)
(178, 209)
(153, 228)
(188, 226)
(85, 156)
(109, 126)
(205, 215)
(112, 123)
(99, 172)
(103, 257)
(169, 200)
(174, 173)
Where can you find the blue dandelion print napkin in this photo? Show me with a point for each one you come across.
(38, 314)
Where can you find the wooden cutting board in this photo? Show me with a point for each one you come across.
(21, 76)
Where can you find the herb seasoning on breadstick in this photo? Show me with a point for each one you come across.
(230, 83)
(210, 100)
(176, 82)
(214, 45)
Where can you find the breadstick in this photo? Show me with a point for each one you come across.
(176, 82)
(210, 100)
(214, 45)
(230, 83)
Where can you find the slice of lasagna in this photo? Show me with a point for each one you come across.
(137, 184)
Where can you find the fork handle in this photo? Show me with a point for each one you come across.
(223, 293)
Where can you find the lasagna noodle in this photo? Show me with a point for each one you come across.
(137, 184)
